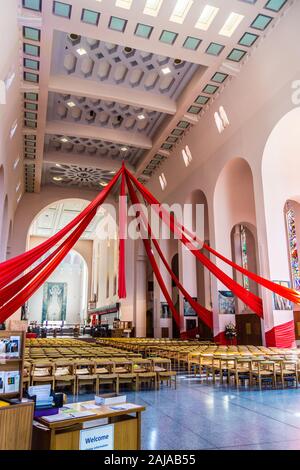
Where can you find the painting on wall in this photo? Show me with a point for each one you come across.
(188, 311)
(54, 301)
(165, 310)
(279, 303)
(226, 302)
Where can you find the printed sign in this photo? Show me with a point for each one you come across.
(100, 438)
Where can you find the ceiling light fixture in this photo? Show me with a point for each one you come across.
(181, 10)
(64, 140)
(71, 104)
(152, 7)
(124, 4)
(57, 178)
(80, 51)
(166, 70)
(141, 117)
(124, 149)
(103, 184)
(230, 25)
(58, 165)
(207, 17)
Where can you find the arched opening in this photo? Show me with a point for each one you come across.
(280, 170)
(235, 238)
(64, 296)
(4, 230)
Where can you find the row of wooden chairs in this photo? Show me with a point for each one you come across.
(113, 372)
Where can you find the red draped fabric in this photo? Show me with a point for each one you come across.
(252, 300)
(153, 263)
(202, 312)
(283, 291)
(12, 268)
(281, 336)
(22, 296)
(122, 235)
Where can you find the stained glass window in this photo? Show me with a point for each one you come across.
(293, 248)
(244, 256)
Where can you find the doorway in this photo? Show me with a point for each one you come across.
(248, 327)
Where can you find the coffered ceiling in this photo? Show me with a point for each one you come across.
(107, 80)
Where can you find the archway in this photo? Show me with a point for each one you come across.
(4, 230)
(234, 218)
(63, 298)
(280, 170)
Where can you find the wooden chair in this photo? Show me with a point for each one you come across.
(26, 375)
(145, 373)
(162, 367)
(42, 372)
(124, 370)
(263, 371)
(64, 374)
(85, 374)
(241, 370)
(104, 370)
(287, 372)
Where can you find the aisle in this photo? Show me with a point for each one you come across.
(200, 416)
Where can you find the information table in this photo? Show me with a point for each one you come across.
(111, 427)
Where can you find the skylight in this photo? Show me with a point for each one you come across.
(152, 7)
(124, 4)
(181, 10)
(232, 22)
(207, 17)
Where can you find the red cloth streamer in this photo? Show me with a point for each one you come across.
(122, 235)
(12, 268)
(203, 313)
(281, 336)
(283, 291)
(155, 268)
(253, 301)
(22, 296)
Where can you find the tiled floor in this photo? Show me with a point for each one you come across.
(200, 416)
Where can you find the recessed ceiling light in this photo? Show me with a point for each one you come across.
(124, 149)
(64, 140)
(71, 104)
(207, 17)
(141, 117)
(166, 70)
(152, 7)
(230, 25)
(57, 178)
(81, 51)
(180, 11)
(124, 4)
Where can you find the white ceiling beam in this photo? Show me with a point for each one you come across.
(61, 158)
(79, 87)
(98, 133)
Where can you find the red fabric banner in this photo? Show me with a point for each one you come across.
(122, 235)
(12, 268)
(281, 336)
(22, 296)
(203, 313)
(283, 291)
(253, 301)
(153, 263)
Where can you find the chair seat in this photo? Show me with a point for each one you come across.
(170, 373)
(101, 370)
(147, 375)
(86, 377)
(64, 378)
(286, 372)
(159, 369)
(127, 376)
(121, 370)
(263, 372)
(107, 376)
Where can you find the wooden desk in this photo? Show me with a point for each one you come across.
(16, 426)
(65, 435)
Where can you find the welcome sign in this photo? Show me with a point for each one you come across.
(101, 438)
